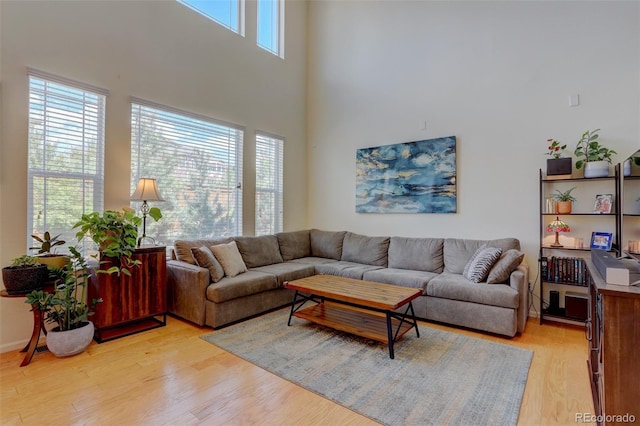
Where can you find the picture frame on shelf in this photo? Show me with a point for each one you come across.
(603, 203)
(601, 240)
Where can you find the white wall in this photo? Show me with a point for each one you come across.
(156, 50)
(497, 75)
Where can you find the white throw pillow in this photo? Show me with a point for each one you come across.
(230, 258)
(478, 267)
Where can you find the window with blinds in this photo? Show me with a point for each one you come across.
(271, 26)
(269, 165)
(228, 13)
(66, 155)
(197, 162)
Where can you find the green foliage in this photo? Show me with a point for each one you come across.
(564, 196)
(66, 305)
(590, 148)
(47, 243)
(115, 233)
(24, 261)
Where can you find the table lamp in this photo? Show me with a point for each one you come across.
(557, 226)
(147, 190)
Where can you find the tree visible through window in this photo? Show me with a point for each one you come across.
(270, 25)
(227, 13)
(66, 155)
(269, 165)
(197, 162)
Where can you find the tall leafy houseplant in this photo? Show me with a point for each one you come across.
(66, 305)
(116, 234)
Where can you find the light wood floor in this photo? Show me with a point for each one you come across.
(169, 376)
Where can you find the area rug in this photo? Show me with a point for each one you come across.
(440, 378)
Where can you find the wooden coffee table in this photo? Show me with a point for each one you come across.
(358, 306)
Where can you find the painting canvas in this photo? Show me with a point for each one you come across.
(411, 177)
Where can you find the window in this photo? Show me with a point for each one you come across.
(197, 162)
(228, 13)
(270, 26)
(268, 184)
(66, 154)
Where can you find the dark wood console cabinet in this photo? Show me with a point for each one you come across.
(613, 331)
(131, 303)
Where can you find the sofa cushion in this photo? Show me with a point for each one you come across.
(457, 287)
(287, 271)
(402, 277)
(419, 254)
(294, 245)
(251, 282)
(367, 250)
(205, 258)
(259, 251)
(345, 269)
(458, 251)
(230, 258)
(326, 243)
(508, 262)
(182, 248)
(481, 262)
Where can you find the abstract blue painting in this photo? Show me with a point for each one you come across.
(411, 177)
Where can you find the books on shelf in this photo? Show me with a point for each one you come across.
(564, 270)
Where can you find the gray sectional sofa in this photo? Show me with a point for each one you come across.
(200, 292)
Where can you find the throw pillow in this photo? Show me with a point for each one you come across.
(205, 258)
(507, 263)
(230, 258)
(478, 267)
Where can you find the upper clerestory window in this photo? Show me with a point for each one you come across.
(271, 25)
(228, 13)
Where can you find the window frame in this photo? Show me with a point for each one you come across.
(167, 192)
(277, 189)
(59, 129)
(240, 22)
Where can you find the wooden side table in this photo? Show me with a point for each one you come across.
(38, 326)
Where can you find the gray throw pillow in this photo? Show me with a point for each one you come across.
(503, 268)
(230, 258)
(259, 251)
(205, 258)
(478, 267)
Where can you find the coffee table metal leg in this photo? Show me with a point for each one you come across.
(293, 305)
(390, 335)
(413, 317)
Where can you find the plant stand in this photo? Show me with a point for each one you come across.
(38, 326)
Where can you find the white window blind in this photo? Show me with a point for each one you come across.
(228, 13)
(271, 26)
(269, 165)
(197, 162)
(66, 155)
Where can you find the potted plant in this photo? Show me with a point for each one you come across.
(66, 306)
(596, 157)
(116, 234)
(24, 275)
(564, 200)
(558, 165)
(46, 251)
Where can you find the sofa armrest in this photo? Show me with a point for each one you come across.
(187, 290)
(519, 280)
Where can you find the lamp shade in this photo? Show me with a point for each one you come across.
(147, 190)
(558, 226)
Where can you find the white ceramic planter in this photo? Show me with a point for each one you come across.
(70, 342)
(593, 169)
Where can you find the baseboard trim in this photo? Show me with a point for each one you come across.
(12, 346)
